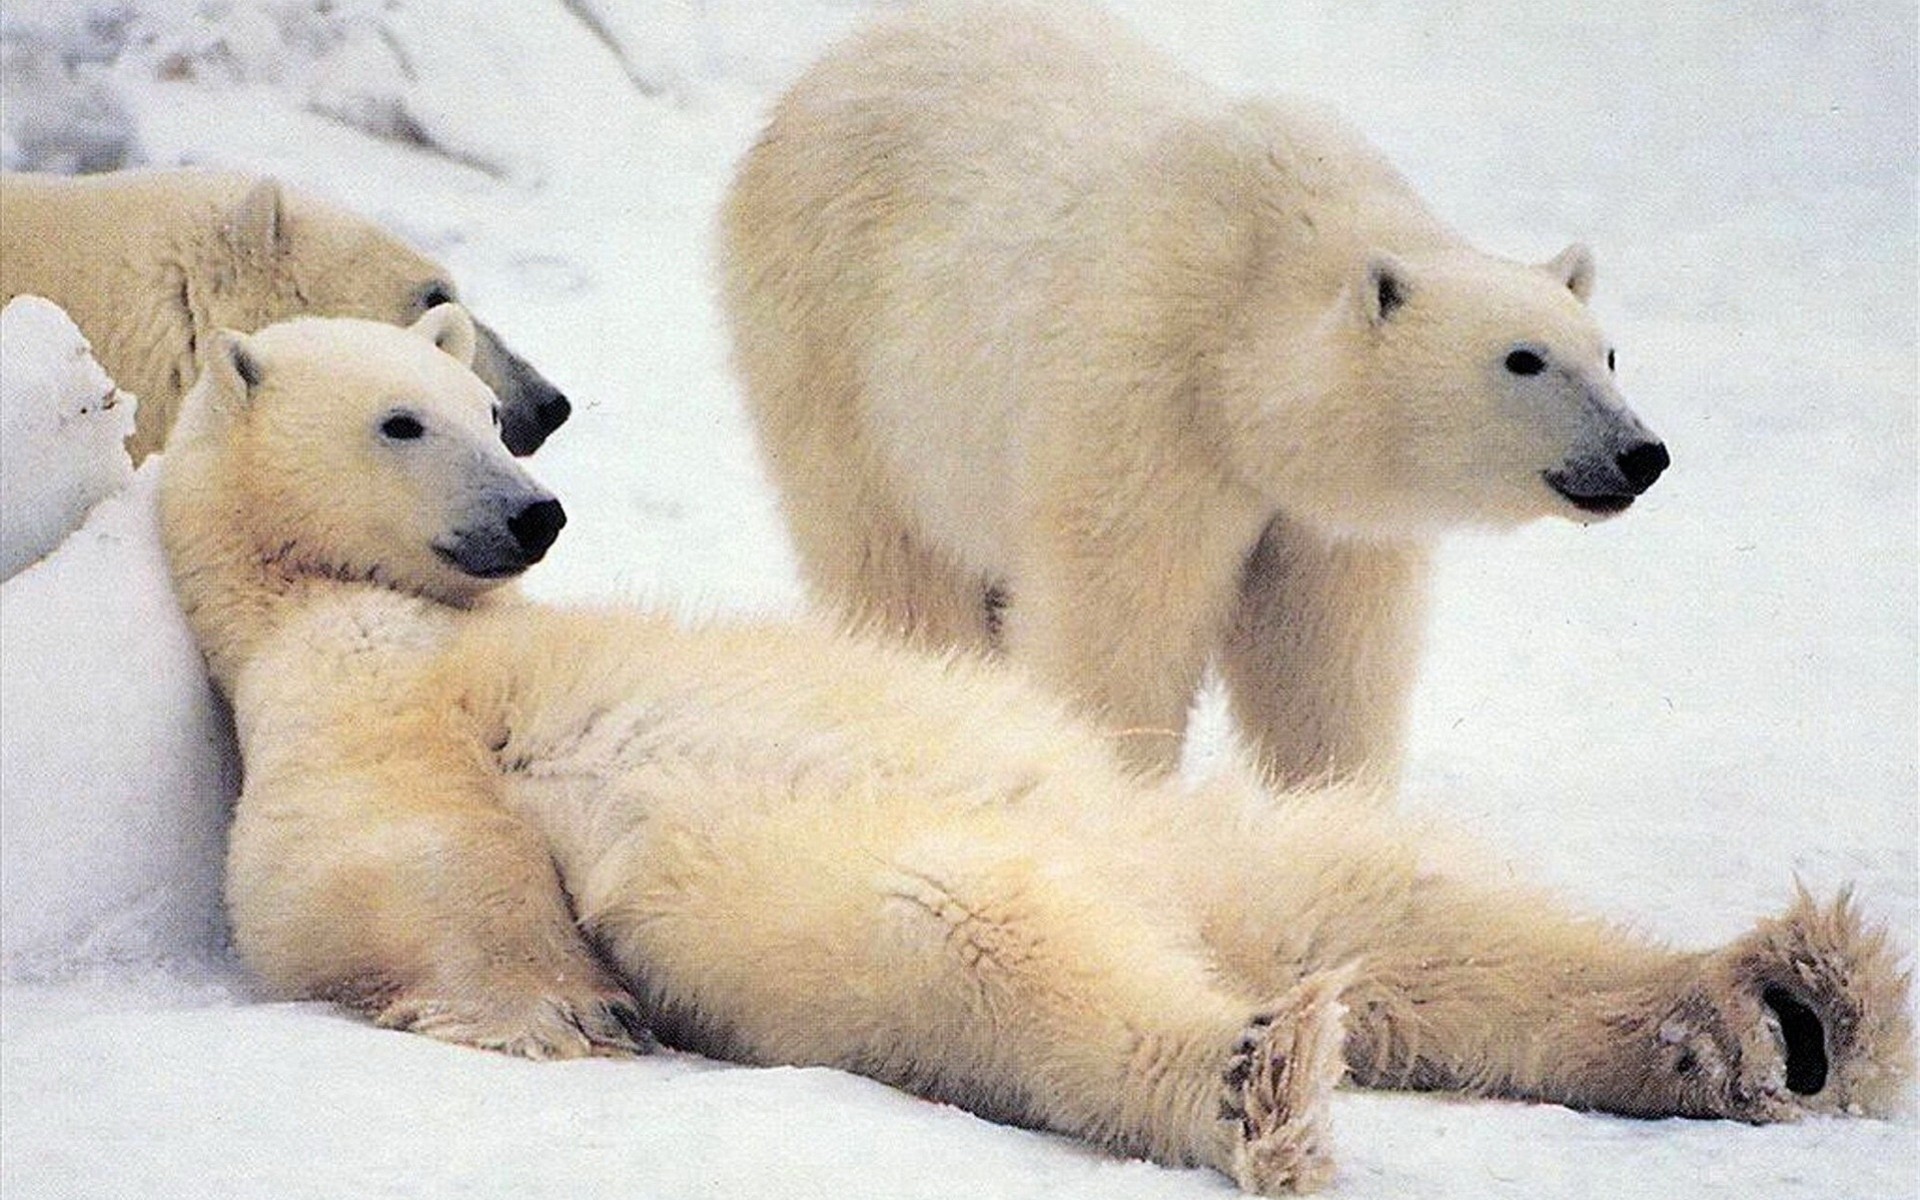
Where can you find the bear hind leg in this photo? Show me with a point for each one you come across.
(1279, 1081)
(1113, 1033)
(1805, 1013)
(883, 575)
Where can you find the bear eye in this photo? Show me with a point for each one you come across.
(433, 295)
(1609, 360)
(402, 427)
(1525, 362)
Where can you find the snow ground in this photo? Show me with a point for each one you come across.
(1668, 717)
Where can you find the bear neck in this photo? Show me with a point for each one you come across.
(236, 594)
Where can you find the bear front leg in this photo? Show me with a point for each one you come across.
(423, 905)
(1321, 654)
(1119, 601)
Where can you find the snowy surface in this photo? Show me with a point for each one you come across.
(1668, 717)
(118, 761)
(62, 425)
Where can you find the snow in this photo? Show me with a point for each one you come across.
(1668, 717)
(62, 425)
(118, 760)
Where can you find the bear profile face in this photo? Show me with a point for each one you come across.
(1496, 393)
(309, 258)
(371, 453)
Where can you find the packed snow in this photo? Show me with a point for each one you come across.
(1669, 717)
(63, 425)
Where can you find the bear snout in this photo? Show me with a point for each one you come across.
(1603, 486)
(552, 412)
(530, 407)
(530, 410)
(500, 549)
(535, 527)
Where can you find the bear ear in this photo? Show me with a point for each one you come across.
(258, 226)
(233, 365)
(1383, 288)
(449, 327)
(1574, 268)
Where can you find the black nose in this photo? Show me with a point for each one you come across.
(553, 413)
(535, 526)
(1642, 464)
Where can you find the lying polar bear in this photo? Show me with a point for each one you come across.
(562, 831)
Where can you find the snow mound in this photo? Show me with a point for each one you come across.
(118, 769)
(63, 425)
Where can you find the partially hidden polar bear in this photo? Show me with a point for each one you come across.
(150, 263)
(564, 831)
(1049, 345)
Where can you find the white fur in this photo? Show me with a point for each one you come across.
(1023, 310)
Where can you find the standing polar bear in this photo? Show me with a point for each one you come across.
(150, 263)
(559, 832)
(1029, 321)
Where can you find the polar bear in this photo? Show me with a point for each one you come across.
(150, 263)
(1047, 345)
(564, 831)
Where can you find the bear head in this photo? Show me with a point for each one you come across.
(360, 450)
(1453, 389)
(295, 256)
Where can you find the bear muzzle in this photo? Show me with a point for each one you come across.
(530, 408)
(503, 550)
(1603, 485)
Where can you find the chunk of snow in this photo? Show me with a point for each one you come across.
(63, 425)
(118, 769)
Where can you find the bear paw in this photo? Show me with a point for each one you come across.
(1278, 1085)
(595, 1019)
(1807, 1013)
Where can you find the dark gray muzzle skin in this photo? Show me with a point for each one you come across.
(1621, 459)
(514, 535)
(529, 407)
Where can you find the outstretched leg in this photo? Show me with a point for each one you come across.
(938, 956)
(1470, 985)
(1806, 1013)
(1321, 653)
